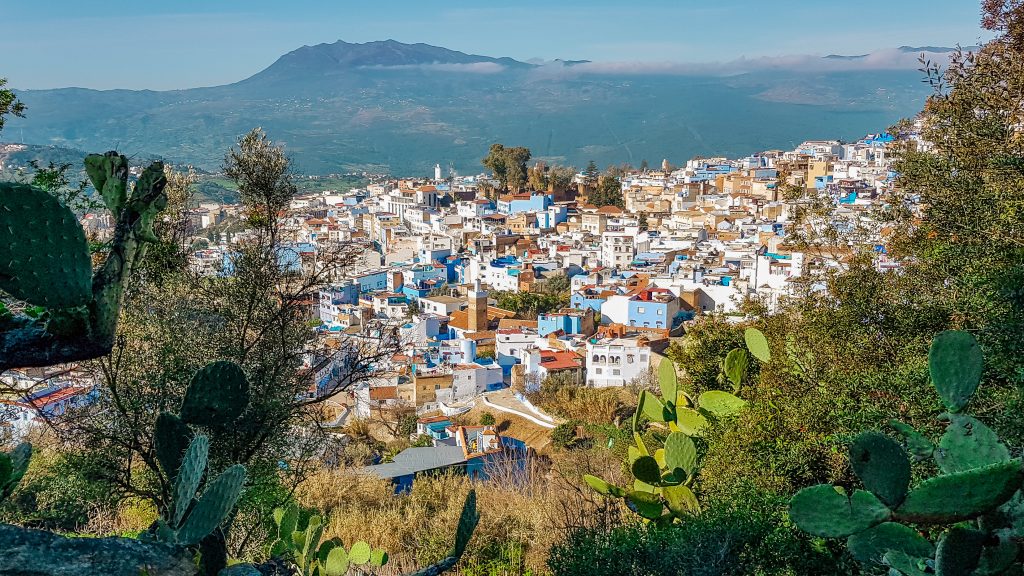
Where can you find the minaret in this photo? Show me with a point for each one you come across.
(437, 172)
(478, 309)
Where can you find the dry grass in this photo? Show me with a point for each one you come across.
(530, 510)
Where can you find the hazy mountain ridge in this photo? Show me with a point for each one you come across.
(404, 107)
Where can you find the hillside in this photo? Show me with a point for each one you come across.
(404, 107)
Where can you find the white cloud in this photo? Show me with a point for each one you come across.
(472, 68)
(890, 59)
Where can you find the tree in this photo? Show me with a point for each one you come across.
(643, 165)
(9, 103)
(591, 174)
(487, 419)
(608, 193)
(508, 166)
(257, 316)
(262, 173)
(964, 238)
(642, 222)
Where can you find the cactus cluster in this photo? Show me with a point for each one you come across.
(47, 260)
(189, 520)
(303, 547)
(216, 396)
(974, 504)
(13, 466)
(663, 479)
(74, 310)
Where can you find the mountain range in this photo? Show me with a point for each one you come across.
(390, 106)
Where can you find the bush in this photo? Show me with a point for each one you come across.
(487, 419)
(564, 435)
(723, 540)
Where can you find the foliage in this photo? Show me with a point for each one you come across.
(528, 305)
(508, 166)
(262, 173)
(487, 419)
(701, 351)
(608, 193)
(564, 435)
(973, 504)
(9, 103)
(965, 243)
(748, 537)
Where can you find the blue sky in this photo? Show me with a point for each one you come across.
(187, 43)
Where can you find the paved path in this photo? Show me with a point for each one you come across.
(521, 414)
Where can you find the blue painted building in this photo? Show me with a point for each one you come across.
(373, 281)
(527, 202)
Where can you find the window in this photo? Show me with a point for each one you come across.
(629, 358)
(661, 311)
(597, 371)
(640, 310)
(615, 372)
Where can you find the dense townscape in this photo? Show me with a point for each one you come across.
(488, 290)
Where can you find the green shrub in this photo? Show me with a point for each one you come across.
(727, 539)
(487, 419)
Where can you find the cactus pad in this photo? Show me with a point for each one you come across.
(336, 563)
(907, 565)
(668, 380)
(46, 260)
(645, 504)
(757, 344)
(646, 469)
(652, 407)
(955, 363)
(956, 497)
(969, 444)
(720, 404)
(882, 465)
(602, 487)
(216, 396)
(171, 438)
(871, 545)
(680, 452)
(681, 500)
(193, 465)
(997, 557)
(959, 551)
(736, 362)
(213, 506)
(690, 421)
(919, 447)
(829, 512)
(109, 175)
(360, 553)
(378, 558)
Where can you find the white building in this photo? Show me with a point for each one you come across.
(616, 361)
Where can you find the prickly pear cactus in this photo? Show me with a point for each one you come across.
(664, 480)
(46, 262)
(188, 520)
(973, 504)
(310, 557)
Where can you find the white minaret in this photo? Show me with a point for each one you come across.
(437, 171)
